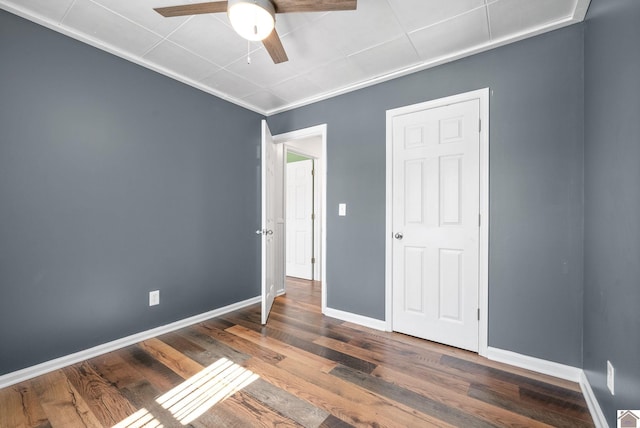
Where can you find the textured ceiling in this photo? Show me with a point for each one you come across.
(329, 53)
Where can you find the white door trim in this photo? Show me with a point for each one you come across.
(321, 170)
(483, 275)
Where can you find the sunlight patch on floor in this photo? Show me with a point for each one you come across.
(193, 397)
(196, 395)
(140, 419)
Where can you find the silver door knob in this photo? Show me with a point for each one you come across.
(398, 236)
(259, 232)
(269, 232)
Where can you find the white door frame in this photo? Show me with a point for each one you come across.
(483, 275)
(321, 172)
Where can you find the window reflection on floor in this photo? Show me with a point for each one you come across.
(192, 398)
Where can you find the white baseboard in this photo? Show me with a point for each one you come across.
(592, 403)
(58, 363)
(535, 364)
(561, 371)
(356, 319)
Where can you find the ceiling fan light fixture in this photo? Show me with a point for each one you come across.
(252, 19)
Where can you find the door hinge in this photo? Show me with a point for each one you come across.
(479, 125)
(313, 216)
(313, 172)
(478, 314)
(313, 260)
(479, 220)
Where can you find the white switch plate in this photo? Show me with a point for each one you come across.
(342, 209)
(154, 298)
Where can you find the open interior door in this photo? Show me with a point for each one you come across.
(268, 171)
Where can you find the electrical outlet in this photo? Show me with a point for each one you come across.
(154, 298)
(611, 374)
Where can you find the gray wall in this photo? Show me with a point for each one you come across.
(113, 182)
(612, 202)
(535, 188)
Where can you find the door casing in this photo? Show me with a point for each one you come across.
(483, 274)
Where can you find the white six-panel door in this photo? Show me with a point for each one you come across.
(435, 218)
(299, 219)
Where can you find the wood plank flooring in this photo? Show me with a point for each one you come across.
(301, 369)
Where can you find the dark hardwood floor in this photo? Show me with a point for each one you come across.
(302, 369)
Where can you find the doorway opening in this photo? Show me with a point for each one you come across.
(304, 201)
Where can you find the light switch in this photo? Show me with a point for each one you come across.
(342, 209)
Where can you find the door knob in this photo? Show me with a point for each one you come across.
(398, 236)
(264, 232)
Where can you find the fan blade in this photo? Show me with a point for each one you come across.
(193, 9)
(287, 6)
(273, 45)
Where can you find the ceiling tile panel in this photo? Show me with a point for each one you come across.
(262, 71)
(211, 39)
(143, 13)
(298, 88)
(264, 100)
(51, 9)
(452, 36)
(336, 74)
(509, 17)
(387, 57)
(371, 24)
(101, 24)
(287, 22)
(179, 60)
(304, 50)
(416, 14)
(231, 84)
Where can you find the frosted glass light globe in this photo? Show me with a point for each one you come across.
(252, 19)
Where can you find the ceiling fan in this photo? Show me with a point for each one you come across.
(255, 19)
